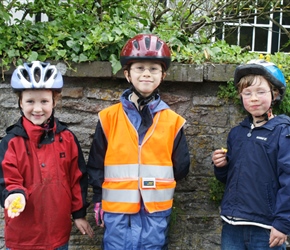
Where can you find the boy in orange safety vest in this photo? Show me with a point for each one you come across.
(138, 152)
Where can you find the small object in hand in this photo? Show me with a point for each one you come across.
(15, 205)
(225, 150)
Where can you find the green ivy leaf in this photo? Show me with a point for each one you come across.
(116, 65)
(61, 52)
(83, 58)
(33, 55)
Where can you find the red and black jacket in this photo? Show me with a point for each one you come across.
(48, 167)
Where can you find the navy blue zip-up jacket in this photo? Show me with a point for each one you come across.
(257, 175)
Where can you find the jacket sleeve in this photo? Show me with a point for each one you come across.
(180, 156)
(282, 207)
(11, 180)
(95, 163)
(221, 173)
(79, 181)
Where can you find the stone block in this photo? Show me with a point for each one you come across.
(72, 92)
(90, 69)
(219, 72)
(185, 73)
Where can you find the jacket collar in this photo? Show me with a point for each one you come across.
(154, 106)
(271, 124)
(28, 130)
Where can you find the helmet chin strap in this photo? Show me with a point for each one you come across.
(142, 100)
(265, 116)
(268, 113)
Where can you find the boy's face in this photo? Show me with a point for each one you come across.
(37, 105)
(257, 98)
(145, 81)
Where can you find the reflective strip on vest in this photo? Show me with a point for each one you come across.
(165, 172)
(136, 170)
(152, 195)
(122, 171)
(130, 196)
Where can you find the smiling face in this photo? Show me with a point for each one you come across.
(145, 82)
(37, 105)
(257, 97)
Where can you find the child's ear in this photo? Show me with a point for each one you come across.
(276, 93)
(163, 75)
(56, 96)
(127, 75)
(20, 103)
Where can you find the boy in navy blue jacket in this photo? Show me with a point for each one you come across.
(256, 167)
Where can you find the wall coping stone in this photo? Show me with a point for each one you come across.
(178, 72)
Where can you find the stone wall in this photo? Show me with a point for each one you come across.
(190, 90)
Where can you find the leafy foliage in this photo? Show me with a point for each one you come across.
(216, 190)
(96, 30)
(89, 30)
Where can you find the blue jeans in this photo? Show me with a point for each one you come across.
(64, 247)
(246, 238)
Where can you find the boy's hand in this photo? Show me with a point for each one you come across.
(84, 227)
(15, 204)
(219, 157)
(276, 238)
(99, 214)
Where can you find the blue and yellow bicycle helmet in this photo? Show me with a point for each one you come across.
(266, 69)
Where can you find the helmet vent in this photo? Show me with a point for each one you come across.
(136, 44)
(147, 42)
(48, 74)
(158, 45)
(25, 74)
(37, 74)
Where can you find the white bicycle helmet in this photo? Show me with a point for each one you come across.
(36, 75)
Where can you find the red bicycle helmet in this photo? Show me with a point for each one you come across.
(146, 47)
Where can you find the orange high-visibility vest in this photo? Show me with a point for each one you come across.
(133, 170)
